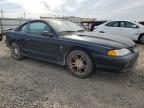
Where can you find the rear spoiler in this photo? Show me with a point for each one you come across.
(4, 32)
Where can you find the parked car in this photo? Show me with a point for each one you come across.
(65, 43)
(131, 30)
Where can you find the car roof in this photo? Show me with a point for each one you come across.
(122, 20)
(36, 20)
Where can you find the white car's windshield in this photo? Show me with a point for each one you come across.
(65, 26)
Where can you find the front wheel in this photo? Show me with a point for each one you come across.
(79, 64)
(141, 39)
(15, 51)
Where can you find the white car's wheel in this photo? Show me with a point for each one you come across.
(141, 39)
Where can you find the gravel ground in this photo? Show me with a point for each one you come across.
(36, 84)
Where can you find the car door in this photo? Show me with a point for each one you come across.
(41, 46)
(129, 29)
(110, 28)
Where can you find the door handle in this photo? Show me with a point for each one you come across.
(102, 32)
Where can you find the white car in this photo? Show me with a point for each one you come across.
(131, 30)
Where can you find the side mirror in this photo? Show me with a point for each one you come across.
(47, 33)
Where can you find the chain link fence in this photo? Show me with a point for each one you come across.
(10, 23)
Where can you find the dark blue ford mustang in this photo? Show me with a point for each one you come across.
(66, 43)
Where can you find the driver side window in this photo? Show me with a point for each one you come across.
(38, 27)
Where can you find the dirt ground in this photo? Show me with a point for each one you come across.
(36, 84)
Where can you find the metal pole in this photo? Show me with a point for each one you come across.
(0, 26)
(62, 9)
(1, 22)
(24, 15)
(20, 20)
(2, 14)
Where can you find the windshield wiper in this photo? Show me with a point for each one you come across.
(66, 31)
(82, 30)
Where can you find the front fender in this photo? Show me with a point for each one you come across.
(68, 46)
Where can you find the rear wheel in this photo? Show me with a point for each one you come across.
(79, 63)
(141, 39)
(15, 51)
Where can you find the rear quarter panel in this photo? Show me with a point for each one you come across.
(12, 36)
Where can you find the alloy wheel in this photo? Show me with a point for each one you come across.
(78, 64)
(15, 51)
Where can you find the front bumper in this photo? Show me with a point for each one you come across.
(116, 64)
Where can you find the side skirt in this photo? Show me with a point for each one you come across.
(47, 60)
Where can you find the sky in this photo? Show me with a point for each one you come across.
(100, 9)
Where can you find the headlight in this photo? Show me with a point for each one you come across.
(120, 52)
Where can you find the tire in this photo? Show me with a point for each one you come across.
(141, 39)
(79, 64)
(15, 51)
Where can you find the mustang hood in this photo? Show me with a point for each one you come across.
(102, 38)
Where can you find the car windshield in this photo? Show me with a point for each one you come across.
(65, 26)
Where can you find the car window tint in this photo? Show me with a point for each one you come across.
(113, 24)
(127, 24)
(23, 28)
(122, 24)
(38, 27)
